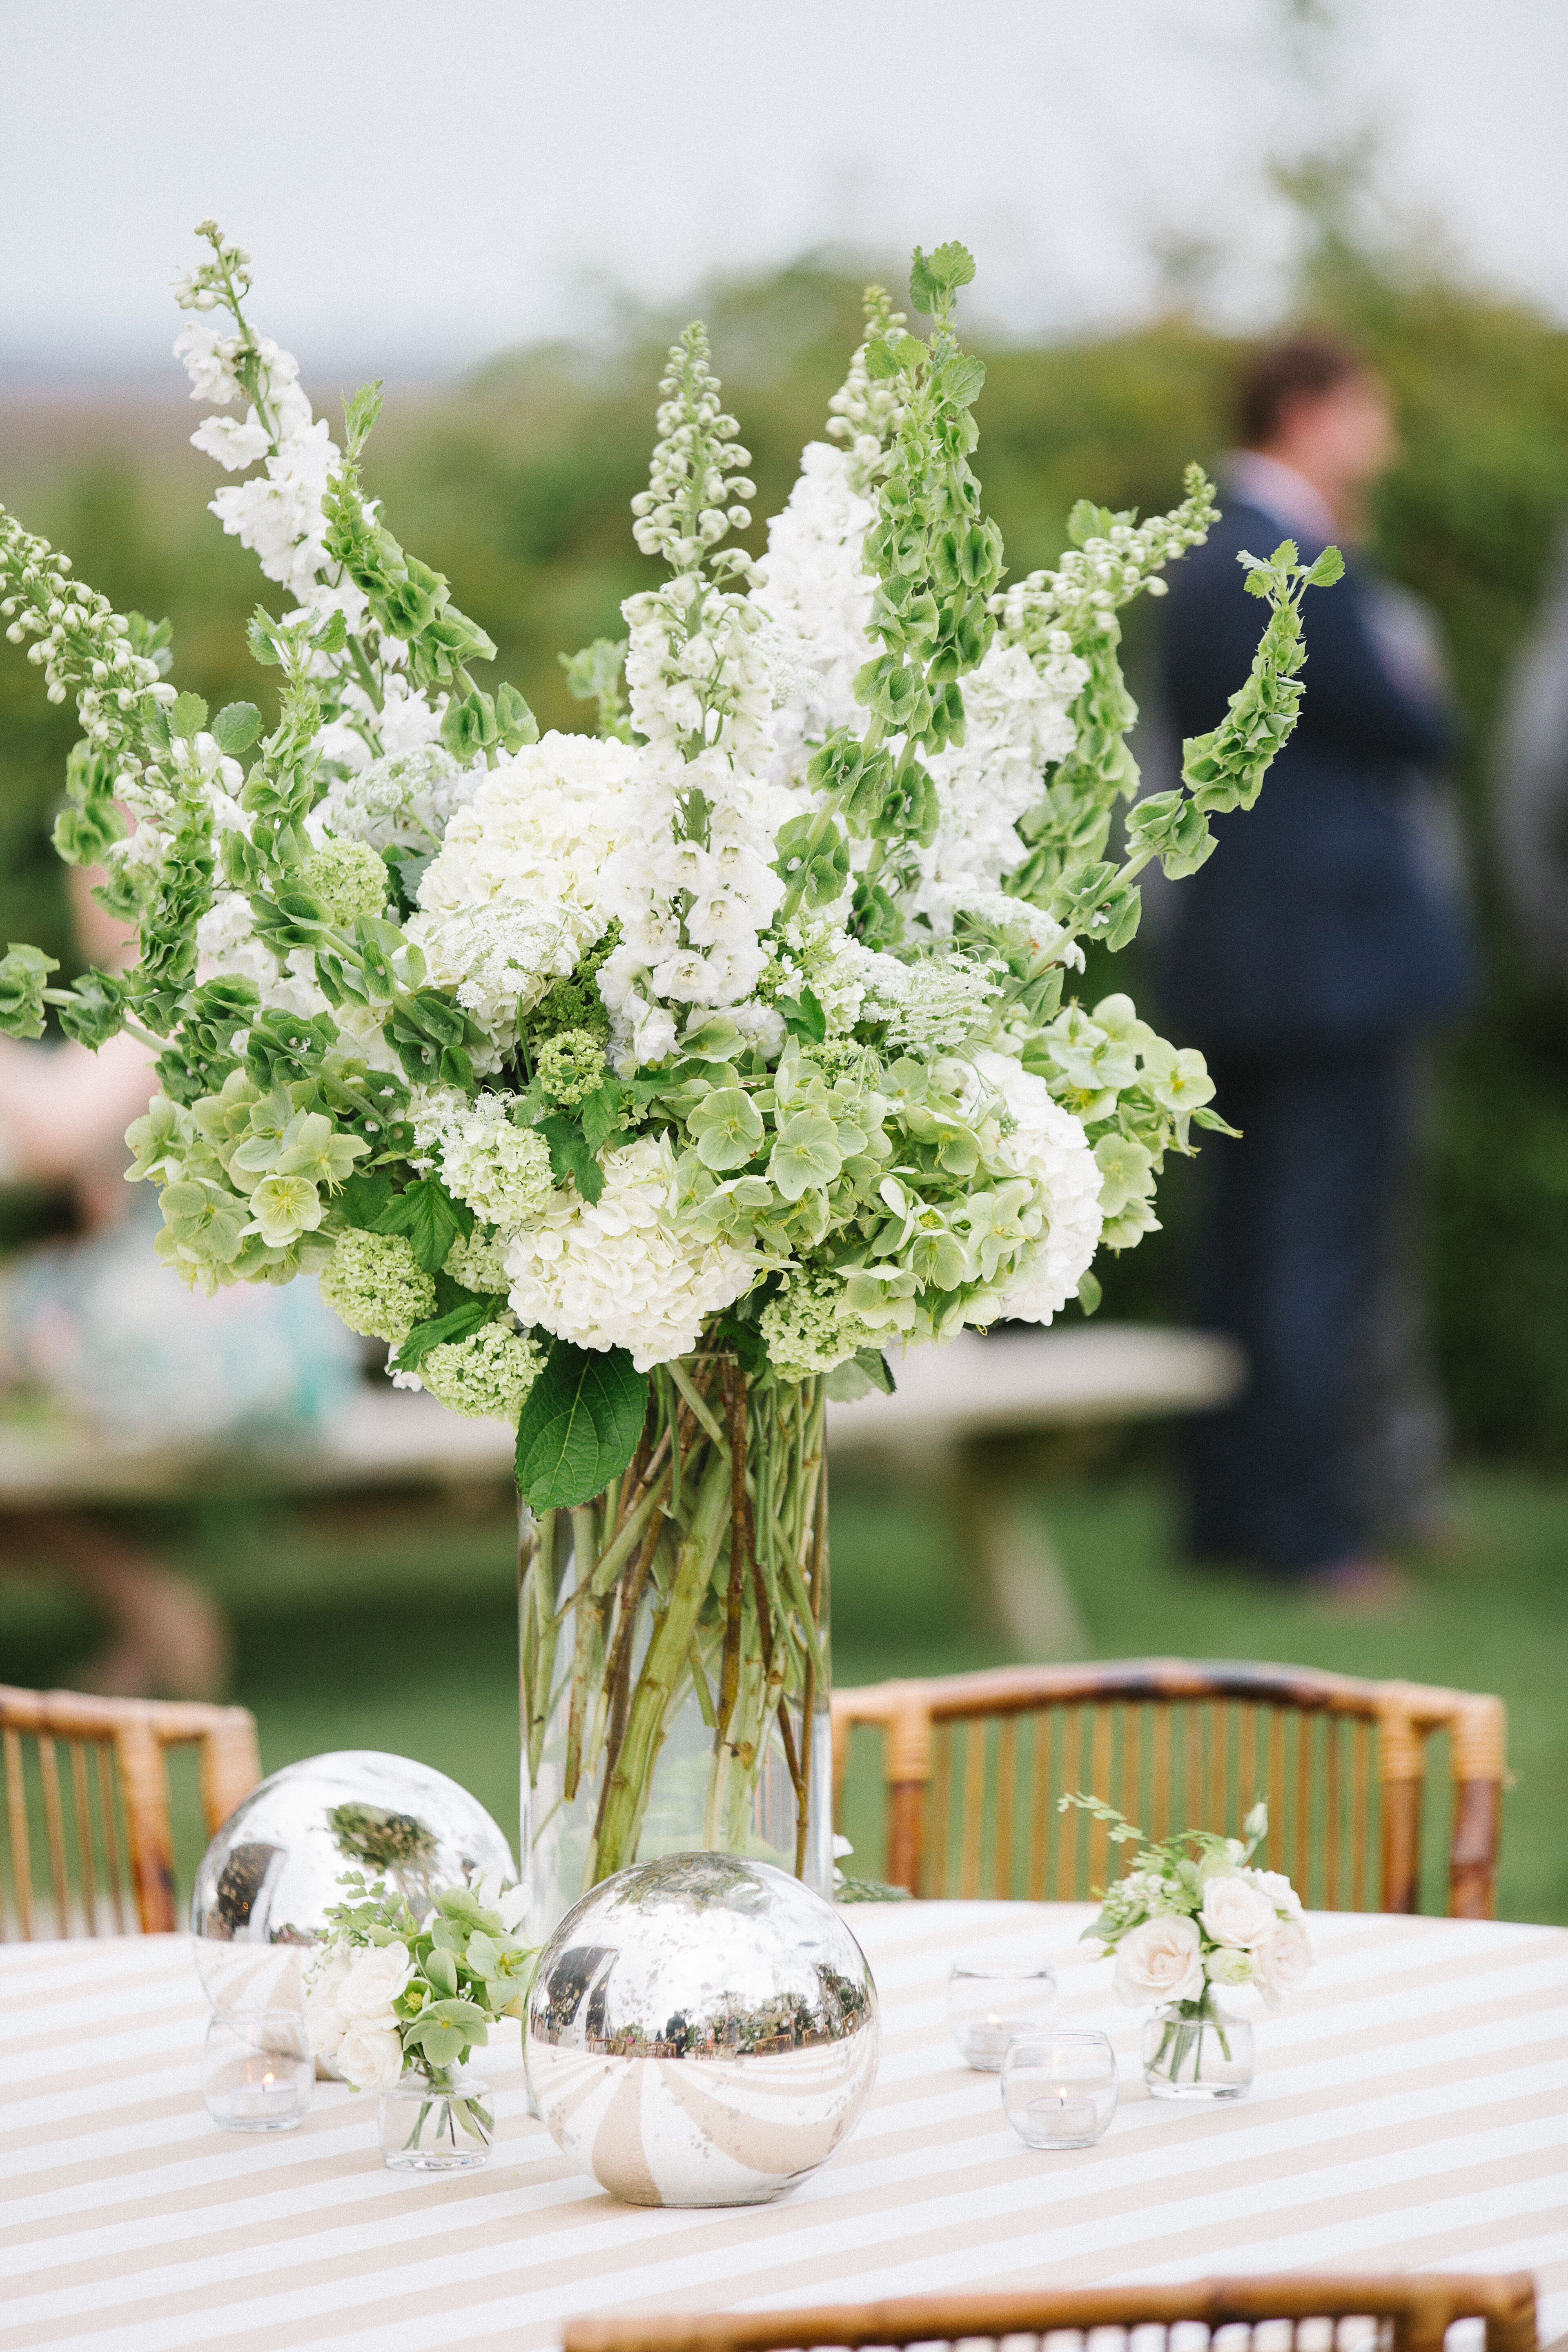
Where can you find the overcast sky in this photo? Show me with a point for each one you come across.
(423, 180)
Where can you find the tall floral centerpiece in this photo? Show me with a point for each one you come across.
(643, 1087)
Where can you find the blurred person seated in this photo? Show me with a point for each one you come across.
(1310, 959)
(96, 1328)
(1530, 799)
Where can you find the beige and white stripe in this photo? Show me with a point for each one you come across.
(1410, 2112)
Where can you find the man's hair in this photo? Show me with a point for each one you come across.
(1301, 367)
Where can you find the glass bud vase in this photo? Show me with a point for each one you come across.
(1196, 2049)
(436, 2123)
(674, 1646)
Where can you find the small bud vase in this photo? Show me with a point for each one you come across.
(1196, 2049)
(430, 2125)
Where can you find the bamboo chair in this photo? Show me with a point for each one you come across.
(118, 1810)
(1412, 2314)
(975, 1763)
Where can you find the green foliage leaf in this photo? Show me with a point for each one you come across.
(601, 1115)
(364, 1200)
(804, 1016)
(1088, 1293)
(570, 1155)
(432, 1219)
(360, 414)
(579, 1426)
(515, 721)
(235, 728)
(471, 1316)
(187, 715)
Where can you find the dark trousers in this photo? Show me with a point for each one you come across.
(1296, 1232)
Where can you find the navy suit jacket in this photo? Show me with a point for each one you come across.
(1318, 924)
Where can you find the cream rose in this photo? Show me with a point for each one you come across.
(324, 2020)
(1283, 1959)
(1159, 1960)
(375, 1977)
(1277, 1889)
(370, 2055)
(1236, 1913)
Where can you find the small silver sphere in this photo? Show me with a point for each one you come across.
(702, 2030)
(268, 1878)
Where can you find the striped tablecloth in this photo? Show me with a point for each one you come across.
(1410, 2111)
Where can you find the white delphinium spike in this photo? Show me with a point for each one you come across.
(692, 883)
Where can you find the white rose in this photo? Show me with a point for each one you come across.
(1278, 1889)
(1283, 1960)
(374, 1979)
(324, 2020)
(1236, 1913)
(1229, 1965)
(1159, 1960)
(370, 2055)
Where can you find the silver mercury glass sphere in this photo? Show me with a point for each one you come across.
(271, 1874)
(702, 2030)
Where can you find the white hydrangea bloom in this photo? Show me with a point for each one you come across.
(536, 835)
(1047, 1145)
(624, 1271)
(402, 800)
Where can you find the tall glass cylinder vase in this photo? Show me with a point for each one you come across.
(674, 1646)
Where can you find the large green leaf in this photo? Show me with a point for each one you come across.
(579, 1426)
(470, 1314)
(432, 1219)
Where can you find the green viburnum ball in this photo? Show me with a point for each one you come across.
(475, 1261)
(806, 1328)
(348, 878)
(377, 1286)
(570, 1065)
(488, 1373)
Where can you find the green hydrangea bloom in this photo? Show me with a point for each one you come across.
(807, 1328)
(475, 1261)
(376, 1286)
(348, 878)
(570, 1065)
(489, 1373)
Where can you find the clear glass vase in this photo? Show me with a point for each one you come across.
(1196, 2049)
(436, 2123)
(674, 1646)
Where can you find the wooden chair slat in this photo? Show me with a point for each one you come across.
(130, 1739)
(1219, 1737)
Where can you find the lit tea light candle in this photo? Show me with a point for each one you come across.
(248, 2087)
(1061, 2118)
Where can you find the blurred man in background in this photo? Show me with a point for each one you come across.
(1309, 957)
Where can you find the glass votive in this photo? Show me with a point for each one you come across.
(1059, 2089)
(444, 2126)
(257, 2070)
(990, 2000)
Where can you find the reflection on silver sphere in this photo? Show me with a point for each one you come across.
(268, 1876)
(702, 2030)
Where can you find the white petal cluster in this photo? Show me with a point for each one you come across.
(403, 801)
(1047, 1145)
(515, 895)
(816, 594)
(1017, 723)
(625, 1271)
(934, 1006)
(499, 1169)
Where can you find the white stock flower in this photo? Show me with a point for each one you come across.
(1159, 1960)
(376, 1976)
(1283, 1959)
(1236, 1913)
(235, 442)
(1047, 1146)
(370, 2055)
(624, 1271)
(816, 596)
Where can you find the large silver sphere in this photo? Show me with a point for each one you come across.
(268, 1876)
(702, 2030)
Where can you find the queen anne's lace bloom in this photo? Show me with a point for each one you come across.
(405, 800)
(623, 1271)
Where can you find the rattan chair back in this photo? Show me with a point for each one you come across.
(86, 1846)
(976, 1765)
(1293, 2314)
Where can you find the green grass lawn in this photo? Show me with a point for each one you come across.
(391, 1626)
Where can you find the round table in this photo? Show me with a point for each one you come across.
(1410, 2112)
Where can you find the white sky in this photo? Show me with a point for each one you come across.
(423, 180)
